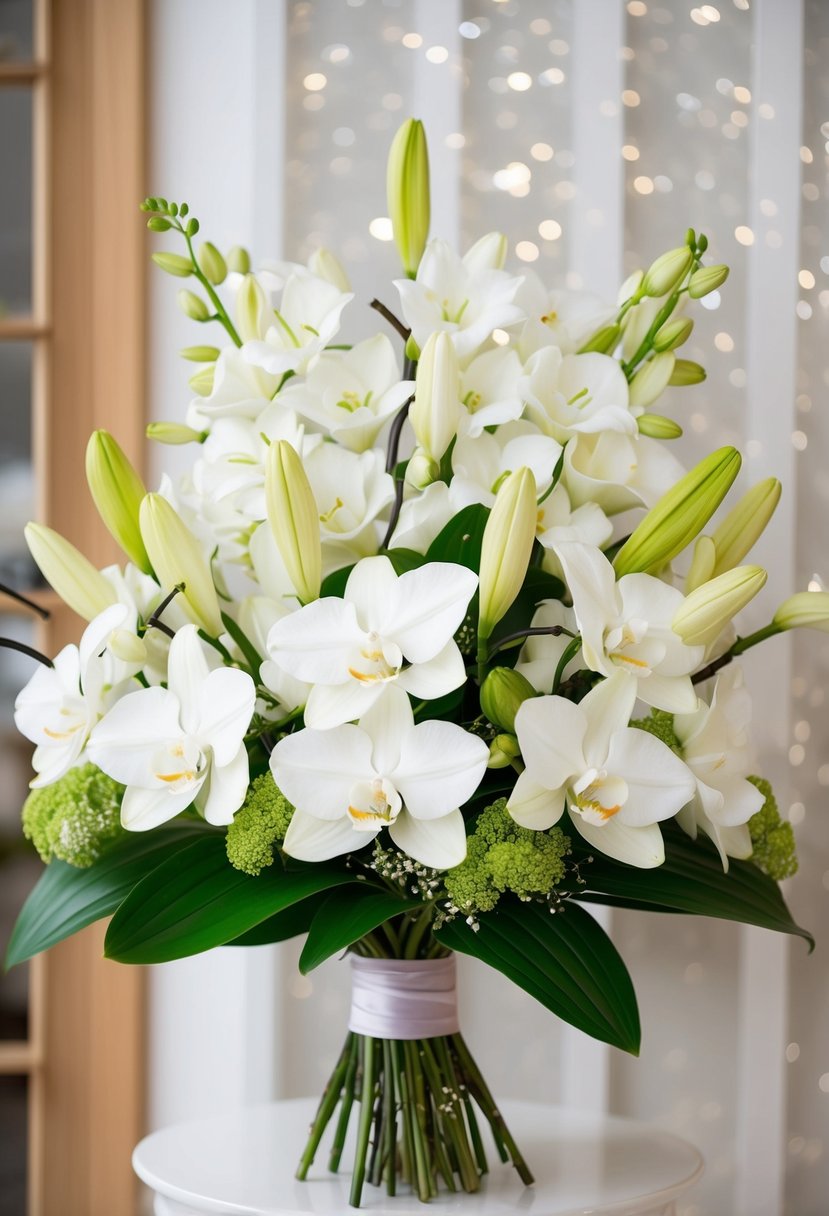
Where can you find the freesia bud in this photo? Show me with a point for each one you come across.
(745, 523)
(705, 612)
(200, 354)
(488, 253)
(805, 610)
(502, 693)
(293, 516)
(117, 492)
(667, 272)
(212, 264)
(702, 564)
(178, 559)
(502, 751)
(192, 306)
(238, 260)
(630, 287)
(673, 333)
(436, 410)
(421, 470)
(127, 646)
(507, 545)
(651, 380)
(201, 382)
(407, 187)
(78, 583)
(250, 305)
(325, 265)
(656, 426)
(687, 372)
(706, 280)
(603, 341)
(174, 433)
(174, 263)
(680, 515)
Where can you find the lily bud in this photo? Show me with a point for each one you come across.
(651, 380)
(706, 280)
(127, 646)
(507, 545)
(78, 583)
(293, 516)
(178, 558)
(656, 426)
(325, 265)
(667, 272)
(488, 253)
(745, 523)
(603, 341)
(702, 564)
(805, 610)
(250, 304)
(705, 612)
(502, 693)
(201, 382)
(421, 470)
(174, 433)
(407, 187)
(117, 492)
(687, 372)
(673, 333)
(412, 349)
(238, 260)
(680, 515)
(200, 354)
(436, 410)
(502, 751)
(192, 306)
(630, 287)
(212, 264)
(173, 263)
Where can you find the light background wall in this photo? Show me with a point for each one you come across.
(593, 133)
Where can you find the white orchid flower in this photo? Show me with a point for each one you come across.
(386, 629)
(540, 656)
(466, 301)
(240, 390)
(60, 705)
(627, 625)
(616, 781)
(568, 395)
(716, 748)
(307, 319)
(351, 394)
(618, 471)
(490, 390)
(349, 783)
(180, 745)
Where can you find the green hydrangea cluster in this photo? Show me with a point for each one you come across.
(661, 724)
(74, 818)
(259, 826)
(772, 838)
(500, 857)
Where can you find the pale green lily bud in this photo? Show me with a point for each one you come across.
(603, 341)
(407, 188)
(412, 349)
(78, 583)
(192, 306)
(507, 545)
(200, 354)
(201, 382)
(667, 272)
(805, 610)
(651, 380)
(436, 410)
(174, 263)
(250, 305)
(702, 564)
(630, 287)
(503, 692)
(238, 260)
(293, 516)
(706, 280)
(687, 372)
(127, 646)
(657, 426)
(502, 751)
(488, 253)
(117, 492)
(673, 333)
(174, 433)
(211, 263)
(421, 470)
(325, 265)
(705, 612)
(178, 559)
(745, 523)
(680, 515)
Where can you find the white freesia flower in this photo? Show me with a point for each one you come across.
(349, 783)
(240, 390)
(568, 395)
(716, 748)
(182, 744)
(618, 471)
(60, 705)
(540, 655)
(617, 782)
(306, 320)
(386, 629)
(627, 625)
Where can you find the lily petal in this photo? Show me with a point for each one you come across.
(439, 843)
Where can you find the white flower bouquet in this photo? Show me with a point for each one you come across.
(371, 670)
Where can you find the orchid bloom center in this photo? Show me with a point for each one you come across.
(180, 764)
(69, 720)
(373, 802)
(597, 796)
(376, 661)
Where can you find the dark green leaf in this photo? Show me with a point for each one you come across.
(67, 899)
(441, 707)
(460, 541)
(565, 960)
(197, 900)
(334, 583)
(347, 915)
(289, 923)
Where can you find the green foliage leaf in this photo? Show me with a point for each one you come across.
(565, 960)
(347, 915)
(460, 541)
(197, 900)
(67, 899)
(283, 925)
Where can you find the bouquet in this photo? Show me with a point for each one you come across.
(429, 648)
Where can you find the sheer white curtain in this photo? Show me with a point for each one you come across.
(593, 133)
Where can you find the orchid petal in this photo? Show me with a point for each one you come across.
(608, 707)
(642, 847)
(225, 788)
(659, 783)
(332, 705)
(315, 770)
(388, 721)
(187, 671)
(676, 694)
(441, 766)
(312, 839)
(551, 733)
(371, 584)
(436, 677)
(142, 810)
(534, 806)
(126, 742)
(438, 843)
(429, 607)
(592, 585)
(316, 644)
(224, 711)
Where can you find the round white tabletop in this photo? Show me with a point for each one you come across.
(243, 1164)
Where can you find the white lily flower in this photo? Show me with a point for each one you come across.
(540, 655)
(618, 471)
(466, 301)
(559, 523)
(386, 629)
(565, 319)
(60, 705)
(180, 745)
(627, 625)
(490, 390)
(422, 517)
(307, 319)
(716, 748)
(240, 390)
(616, 781)
(568, 395)
(351, 394)
(349, 783)
(480, 465)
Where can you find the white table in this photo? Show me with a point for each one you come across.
(243, 1163)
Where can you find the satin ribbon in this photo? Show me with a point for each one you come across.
(403, 998)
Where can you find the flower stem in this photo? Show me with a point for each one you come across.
(364, 1127)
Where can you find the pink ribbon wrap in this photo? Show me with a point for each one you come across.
(403, 998)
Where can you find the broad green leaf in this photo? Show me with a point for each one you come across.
(565, 960)
(67, 899)
(460, 541)
(290, 922)
(197, 900)
(692, 880)
(347, 915)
